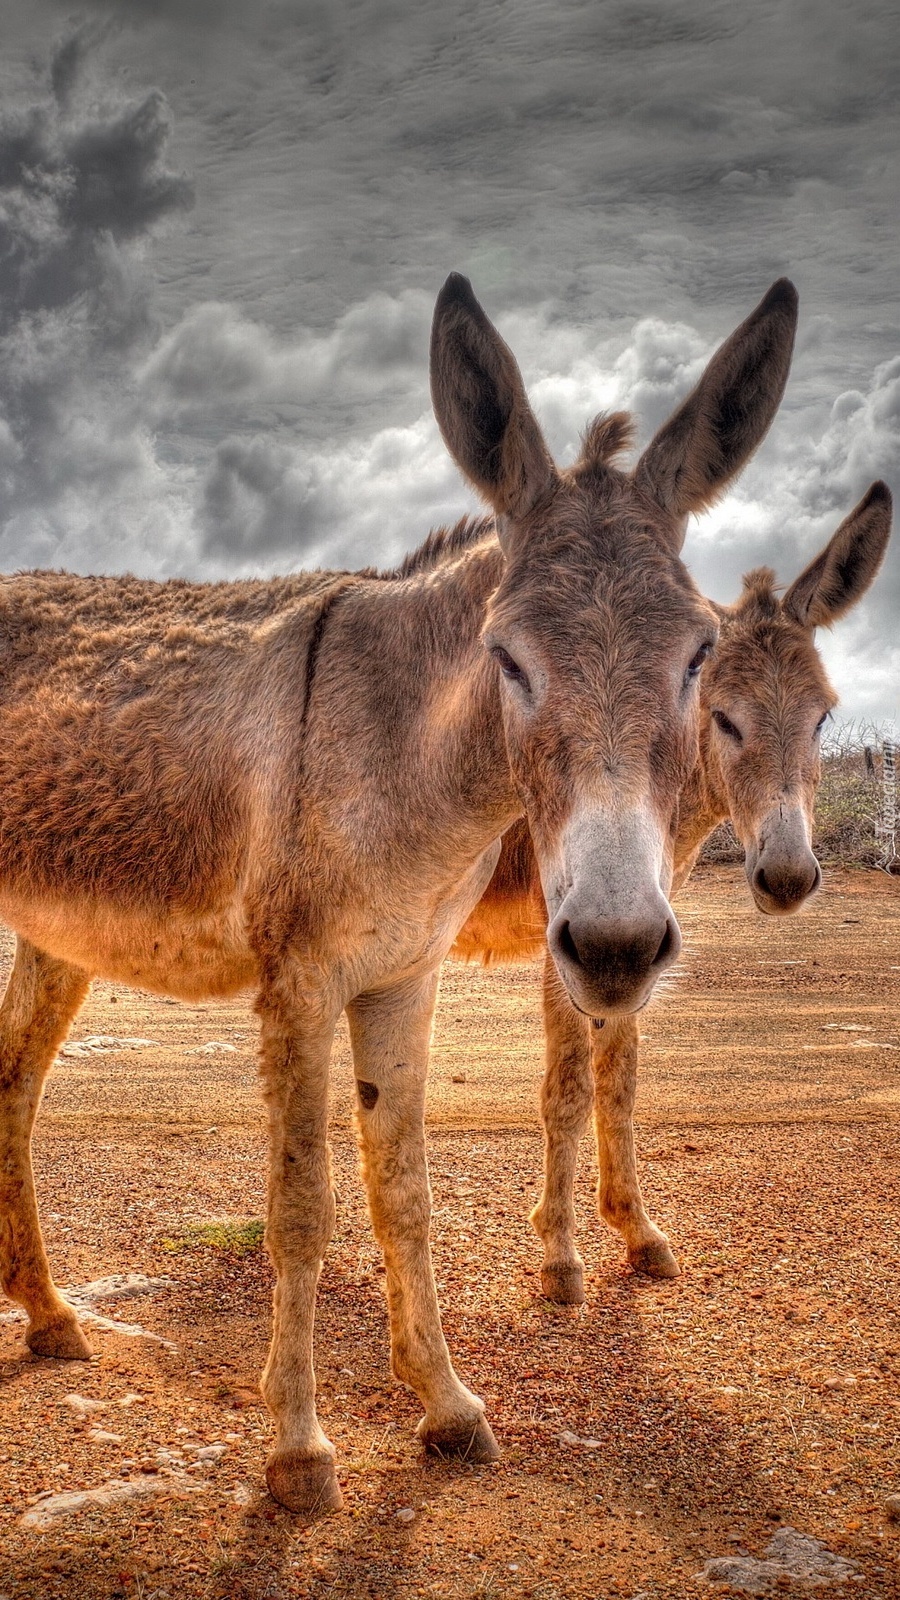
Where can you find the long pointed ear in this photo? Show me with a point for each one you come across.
(481, 406)
(716, 429)
(842, 573)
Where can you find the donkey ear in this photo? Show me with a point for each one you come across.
(843, 571)
(481, 406)
(717, 428)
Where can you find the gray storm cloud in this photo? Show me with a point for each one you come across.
(228, 374)
(83, 184)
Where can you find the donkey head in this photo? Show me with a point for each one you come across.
(596, 629)
(767, 696)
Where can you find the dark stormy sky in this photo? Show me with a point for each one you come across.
(222, 227)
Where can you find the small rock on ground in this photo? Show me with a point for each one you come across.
(51, 1508)
(789, 1554)
(81, 1405)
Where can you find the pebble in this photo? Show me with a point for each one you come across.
(405, 1514)
(892, 1506)
(50, 1508)
(100, 1043)
(211, 1452)
(100, 1436)
(205, 1452)
(82, 1406)
(789, 1556)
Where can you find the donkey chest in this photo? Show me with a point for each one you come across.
(411, 932)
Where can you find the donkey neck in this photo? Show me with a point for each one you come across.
(405, 692)
(704, 801)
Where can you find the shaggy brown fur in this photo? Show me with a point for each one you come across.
(763, 697)
(300, 785)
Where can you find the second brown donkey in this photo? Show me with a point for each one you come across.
(300, 785)
(764, 697)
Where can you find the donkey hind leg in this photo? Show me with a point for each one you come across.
(614, 1052)
(566, 1096)
(42, 996)
(390, 1033)
(294, 1065)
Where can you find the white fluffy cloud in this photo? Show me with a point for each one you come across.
(363, 505)
(217, 357)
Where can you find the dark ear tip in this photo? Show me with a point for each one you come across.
(782, 295)
(878, 493)
(456, 291)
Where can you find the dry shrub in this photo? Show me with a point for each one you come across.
(723, 847)
(850, 799)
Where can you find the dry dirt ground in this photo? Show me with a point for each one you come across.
(657, 1426)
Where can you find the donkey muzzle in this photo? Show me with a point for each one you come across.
(781, 869)
(612, 932)
(610, 964)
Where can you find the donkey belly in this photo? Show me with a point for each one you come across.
(186, 954)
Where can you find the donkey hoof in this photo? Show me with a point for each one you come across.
(655, 1260)
(304, 1484)
(63, 1339)
(466, 1441)
(563, 1285)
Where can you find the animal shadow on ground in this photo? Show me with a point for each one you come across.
(550, 1376)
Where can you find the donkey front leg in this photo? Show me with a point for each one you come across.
(294, 1065)
(566, 1096)
(391, 1033)
(614, 1054)
(42, 996)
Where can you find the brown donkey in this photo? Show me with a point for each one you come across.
(764, 697)
(300, 785)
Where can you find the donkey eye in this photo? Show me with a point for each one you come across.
(695, 665)
(509, 667)
(825, 717)
(727, 727)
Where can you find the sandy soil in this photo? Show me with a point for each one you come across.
(656, 1427)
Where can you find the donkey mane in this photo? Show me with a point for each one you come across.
(440, 545)
(758, 596)
(608, 436)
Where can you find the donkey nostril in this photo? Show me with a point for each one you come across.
(788, 887)
(666, 947)
(567, 944)
(808, 884)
